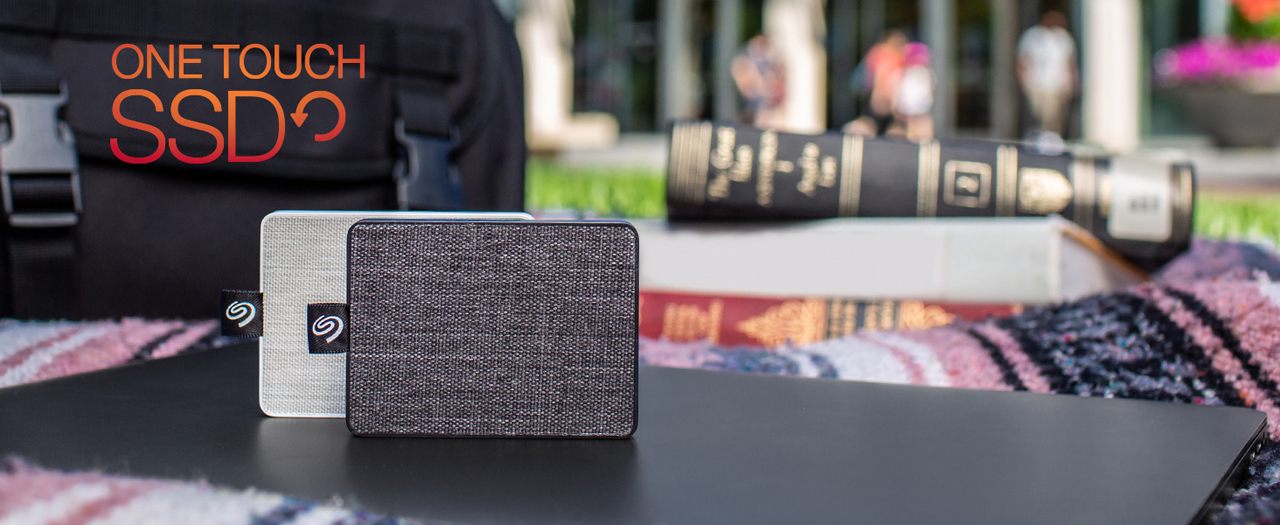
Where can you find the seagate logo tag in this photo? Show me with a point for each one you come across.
(327, 328)
(241, 313)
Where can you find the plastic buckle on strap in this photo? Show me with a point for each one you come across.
(425, 180)
(39, 154)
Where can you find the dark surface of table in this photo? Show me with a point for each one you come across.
(711, 448)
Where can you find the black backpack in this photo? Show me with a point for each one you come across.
(92, 231)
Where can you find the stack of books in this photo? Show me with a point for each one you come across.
(783, 239)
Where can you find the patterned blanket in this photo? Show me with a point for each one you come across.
(1208, 331)
(33, 496)
(33, 351)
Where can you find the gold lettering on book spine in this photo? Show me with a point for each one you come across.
(683, 323)
(1082, 179)
(810, 169)
(879, 315)
(842, 318)
(721, 160)
(828, 167)
(718, 188)
(730, 164)
(722, 156)
(767, 163)
(928, 167)
(741, 170)
(851, 175)
(790, 323)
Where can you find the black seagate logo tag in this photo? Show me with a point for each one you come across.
(327, 328)
(241, 313)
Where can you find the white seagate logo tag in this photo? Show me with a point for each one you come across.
(242, 312)
(329, 327)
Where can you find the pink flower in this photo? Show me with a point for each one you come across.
(1216, 60)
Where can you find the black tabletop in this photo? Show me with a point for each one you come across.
(711, 448)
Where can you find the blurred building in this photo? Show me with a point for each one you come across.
(543, 28)
(645, 62)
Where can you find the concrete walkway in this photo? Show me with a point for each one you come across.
(1228, 170)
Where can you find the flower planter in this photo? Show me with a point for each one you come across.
(1229, 87)
(1232, 117)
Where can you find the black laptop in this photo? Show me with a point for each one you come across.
(711, 448)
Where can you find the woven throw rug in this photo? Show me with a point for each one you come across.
(30, 495)
(1208, 331)
(33, 351)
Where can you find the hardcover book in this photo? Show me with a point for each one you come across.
(771, 322)
(1017, 260)
(1139, 206)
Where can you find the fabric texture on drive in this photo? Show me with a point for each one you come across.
(493, 328)
(304, 261)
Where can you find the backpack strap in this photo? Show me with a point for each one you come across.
(426, 179)
(39, 171)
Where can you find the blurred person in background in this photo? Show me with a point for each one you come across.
(1047, 73)
(881, 71)
(914, 99)
(761, 79)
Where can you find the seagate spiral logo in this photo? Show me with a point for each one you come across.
(329, 325)
(241, 311)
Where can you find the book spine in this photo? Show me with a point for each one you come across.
(771, 322)
(731, 171)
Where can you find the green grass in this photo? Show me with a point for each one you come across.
(1253, 217)
(639, 193)
(635, 193)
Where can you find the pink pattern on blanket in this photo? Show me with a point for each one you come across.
(661, 352)
(964, 359)
(36, 496)
(32, 495)
(115, 346)
(1027, 371)
(1251, 394)
(184, 340)
(72, 348)
(1249, 314)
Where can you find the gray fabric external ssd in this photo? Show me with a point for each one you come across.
(304, 261)
(490, 328)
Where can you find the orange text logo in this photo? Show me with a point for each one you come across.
(181, 67)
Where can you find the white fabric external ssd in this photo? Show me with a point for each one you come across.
(304, 261)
